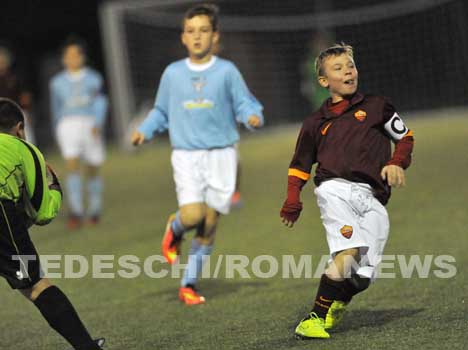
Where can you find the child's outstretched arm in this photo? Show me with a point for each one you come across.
(292, 206)
(298, 174)
(157, 119)
(247, 108)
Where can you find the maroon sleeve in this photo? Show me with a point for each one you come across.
(305, 153)
(403, 149)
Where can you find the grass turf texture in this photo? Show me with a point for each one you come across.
(427, 217)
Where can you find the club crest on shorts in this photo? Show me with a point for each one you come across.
(346, 231)
(360, 115)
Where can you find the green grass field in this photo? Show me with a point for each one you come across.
(427, 217)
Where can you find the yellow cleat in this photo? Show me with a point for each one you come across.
(335, 314)
(312, 327)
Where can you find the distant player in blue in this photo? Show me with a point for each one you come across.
(79, 111)
(200, 99)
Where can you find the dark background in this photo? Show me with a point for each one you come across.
(421, 61)
(35, 29)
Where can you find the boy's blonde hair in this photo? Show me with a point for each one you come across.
(335, 50)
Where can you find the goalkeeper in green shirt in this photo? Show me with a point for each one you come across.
(30, 194)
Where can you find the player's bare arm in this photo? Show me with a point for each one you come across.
(394, 175)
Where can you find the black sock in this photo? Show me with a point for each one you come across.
(62, 317)
(328, 291)
(354, 285)
(348, 292)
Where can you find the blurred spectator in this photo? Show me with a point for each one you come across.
(13, 88)
(310, 88)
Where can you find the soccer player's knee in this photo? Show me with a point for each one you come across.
(73, 164)
(211, 220)
(192, 216)
(359, 283)
(34, 292)
(92, 171)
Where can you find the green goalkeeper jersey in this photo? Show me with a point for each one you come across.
(23, 180)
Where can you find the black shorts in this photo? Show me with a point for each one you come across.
(19, 261)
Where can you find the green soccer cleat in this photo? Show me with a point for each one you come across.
(312, 327)
(335, 314)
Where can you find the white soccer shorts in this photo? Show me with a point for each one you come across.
(353, 218)
(205, 176)
(76, 140)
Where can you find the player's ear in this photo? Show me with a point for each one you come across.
(182, 38)
(18, 130)
(323, 81)
(215, 38)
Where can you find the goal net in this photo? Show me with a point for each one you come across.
(415, 52)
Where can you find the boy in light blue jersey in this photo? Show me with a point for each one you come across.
(199, 101)
(79, 110)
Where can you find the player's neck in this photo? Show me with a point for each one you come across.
(75, 71)
(336, 98)
(200, 60)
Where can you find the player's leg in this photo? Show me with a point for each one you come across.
(190, 188)
(219, 174)
(59, 312)
(69, 139)
(236, 199)
(95, 189)
(19, 265)
(202, 246)
(186, 218)
(374, 228)
(343, 238)
(94, 155)
(74, 193)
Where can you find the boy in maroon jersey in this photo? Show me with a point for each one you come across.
(349, 138)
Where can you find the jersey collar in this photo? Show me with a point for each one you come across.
(75, 76)
(357, 98)
(200, 67)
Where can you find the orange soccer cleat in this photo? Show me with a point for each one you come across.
(236, 201)
(189, 296)
(74, 222)
(170, 245)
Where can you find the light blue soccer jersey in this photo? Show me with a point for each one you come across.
(78, 94)
(201, 105)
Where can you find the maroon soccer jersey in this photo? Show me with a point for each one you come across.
(353, 145)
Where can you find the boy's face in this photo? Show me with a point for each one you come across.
(198, 37)
(340, 75)
(73, 58)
